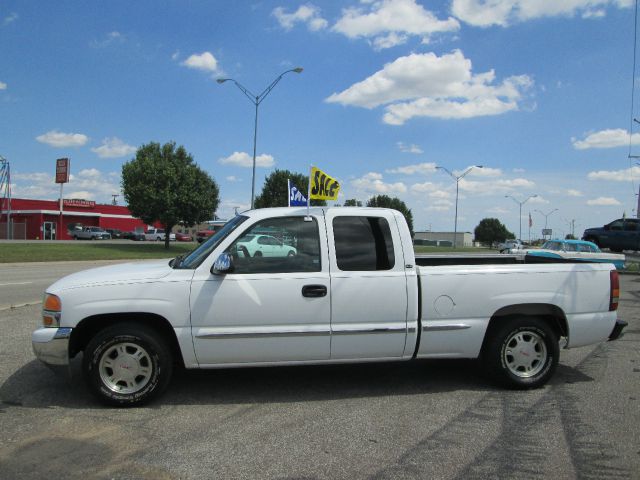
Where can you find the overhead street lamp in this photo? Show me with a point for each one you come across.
(521, 203)
(546, 215)
(257, 100)
(457, 179)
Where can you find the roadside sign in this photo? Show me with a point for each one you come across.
(546, 232)
(62, 170)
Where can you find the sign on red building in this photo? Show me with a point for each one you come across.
(62, 170)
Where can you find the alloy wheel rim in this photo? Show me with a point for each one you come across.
(525, 353)
(125, 368)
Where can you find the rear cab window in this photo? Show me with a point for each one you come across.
(363, 243)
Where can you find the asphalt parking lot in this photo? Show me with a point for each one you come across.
(421, 420)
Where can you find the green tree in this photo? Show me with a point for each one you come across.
(164, 184)
(570, 236)
(490, 230)
(352, 202)
(274, 191)
(387, 202)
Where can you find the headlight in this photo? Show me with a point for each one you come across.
(51, 310)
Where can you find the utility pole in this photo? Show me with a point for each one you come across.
(5, 187)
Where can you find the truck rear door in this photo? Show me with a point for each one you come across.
(368, 285)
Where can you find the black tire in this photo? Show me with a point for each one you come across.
(522, 353)
(291, 253)
(257, 254)
(127, 365)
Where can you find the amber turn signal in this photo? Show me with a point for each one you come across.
(52, 303)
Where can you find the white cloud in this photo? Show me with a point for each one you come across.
(308, 14)
(426, 85)
(419, 168)
(603, 202)
(422, 188)
(483, 13)
(109, 39)
(387, 23)
(58, 139)
(89, 184)
(202, 61)
(481, 172)
(243, 159)
(372, 182)
(615, 175)
(113, 148)
(574, 193)
(413, 148)
(609, 138)
(3, 86)
(232, 178)
(90, 173)
(12, 17)
(500, 186)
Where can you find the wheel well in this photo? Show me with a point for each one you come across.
(90, 326)
(551, 314)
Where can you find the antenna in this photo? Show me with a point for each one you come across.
(115, 199)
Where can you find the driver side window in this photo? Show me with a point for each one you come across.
(278, 245)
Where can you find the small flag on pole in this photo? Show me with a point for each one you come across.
(322, 186)
(296, 198)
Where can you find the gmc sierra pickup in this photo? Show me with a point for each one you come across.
(352, 291)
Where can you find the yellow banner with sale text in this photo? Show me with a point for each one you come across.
(323, 187)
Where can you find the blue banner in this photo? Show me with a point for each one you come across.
(296, 198)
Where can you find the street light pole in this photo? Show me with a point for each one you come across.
(546, 216)
(257, 100)
(521, 203)
(457, 180)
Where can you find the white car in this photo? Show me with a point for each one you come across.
(510, 245)
(264, 246)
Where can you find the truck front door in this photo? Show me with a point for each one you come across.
(270, 308)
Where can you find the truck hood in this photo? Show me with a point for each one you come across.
(120, 273)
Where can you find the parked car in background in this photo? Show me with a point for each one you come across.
(214, 226)
(138, 236)
(202, 235)
(114, 232)
(157, 234)
(264, 246)
(575, 250)
(91, 233)
(183, 237)
(509, 245)
(621, 234)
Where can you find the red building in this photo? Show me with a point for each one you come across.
(41, 219)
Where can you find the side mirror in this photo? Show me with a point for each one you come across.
(223, 264)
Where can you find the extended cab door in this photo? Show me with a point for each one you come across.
(270, 308)
(368, 285)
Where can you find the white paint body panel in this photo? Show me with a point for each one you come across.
(262, 319)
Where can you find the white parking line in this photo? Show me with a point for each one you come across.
(15, 283)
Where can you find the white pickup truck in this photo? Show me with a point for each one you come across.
(158, 235)
(353, 291)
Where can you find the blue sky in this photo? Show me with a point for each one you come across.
(536, 91)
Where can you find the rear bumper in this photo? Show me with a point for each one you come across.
(617, 329)
(51, 345)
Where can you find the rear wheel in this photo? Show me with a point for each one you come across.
(522, 353)
(127, 364)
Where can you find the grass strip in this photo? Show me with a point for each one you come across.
(59, 252)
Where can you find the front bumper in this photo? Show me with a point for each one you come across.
(51, 345)
(617, 329)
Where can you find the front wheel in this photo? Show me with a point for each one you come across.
(523, 353)
(127, 365)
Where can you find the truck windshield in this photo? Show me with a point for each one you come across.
(197, 256)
